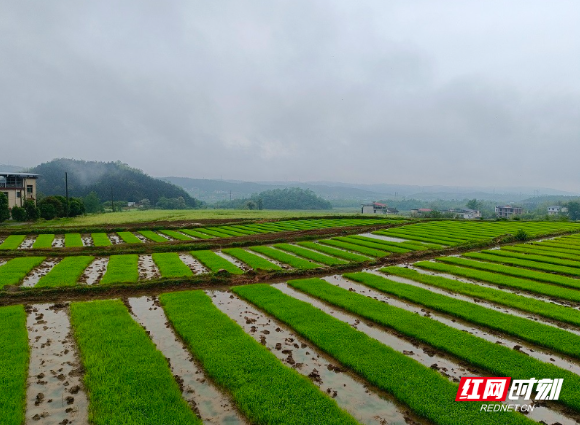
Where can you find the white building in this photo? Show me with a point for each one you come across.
(557, 209)
(465, 213)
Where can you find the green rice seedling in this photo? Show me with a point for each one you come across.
(129, 237)
(513, 271)
(13, 364)
(151, 235)
(230, 232)
(379, 364)
(196, 234)
(127, 379)
(178, 236)
(214, 262)
(421, 237)
(531, 263)
(372, 244)
(213, 232)
(537, 333)
(16, 269)
(121, 269)
(349, 256)
(371, 252)
(254, 261)
(529, 305)
(101, 239)
(534, 257)
(496, 359)
(170, 265)
(502, 280)
(428, 244)
(43, 241)
(291, 260)
(263, 388)
(404, 245)
(12, 242)
(311, 255)
(65, 273)
(548, 251)
(73, 240)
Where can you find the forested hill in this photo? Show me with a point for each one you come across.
(128, 184)
(292, 198)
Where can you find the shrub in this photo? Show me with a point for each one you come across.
(4, 211)
(32, 211)
(18, 214)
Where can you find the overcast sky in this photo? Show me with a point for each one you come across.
(414, 92)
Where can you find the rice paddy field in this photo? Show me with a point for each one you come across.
(355, 327)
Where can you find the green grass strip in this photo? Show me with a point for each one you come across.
(514, 271)
(214, 262)
(12, 242)
(254, 261)
(65, 273)
(178, 236)
(196, 234)
(530, 305)
(291, 260)
(129, 237)
(389, 370)
(528, 330)
(349, 256)
(372, 244)
(43, 241)
(371, 252)
(265, 390)
(73, 240)
(13, 364)
(496, 359)
(14, 271)
(151, 235)
(101, 239)
(490, 255)
(502, 280)
(127, 378)
(170, 265)
(121, 269)
(311, 255)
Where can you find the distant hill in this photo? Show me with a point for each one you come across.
(128, 184)
(348, 194)
(11, 168)
(212, 191)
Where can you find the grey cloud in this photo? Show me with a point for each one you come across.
(416, 92)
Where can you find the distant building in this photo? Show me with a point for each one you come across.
(18, 187)
(465, 213)
(508, 211)
(377, 208)
(420, 211)
(556, 210)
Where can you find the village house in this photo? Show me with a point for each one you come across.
(18, 188)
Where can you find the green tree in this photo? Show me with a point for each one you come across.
(58, 206)
(251, 205)
(260, 203)
(93, 203)
(32, 211)
(18, 214)
(47, 211)
(76, 207)
(574, 210)
(4, 210)
(472, 204)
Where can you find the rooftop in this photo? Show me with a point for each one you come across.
(27, 175)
